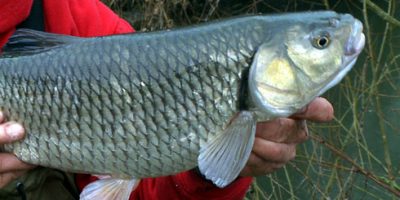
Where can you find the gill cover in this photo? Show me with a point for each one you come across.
(273, 82)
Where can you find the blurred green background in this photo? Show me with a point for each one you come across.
(357, 156)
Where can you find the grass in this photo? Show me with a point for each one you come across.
(357, 155)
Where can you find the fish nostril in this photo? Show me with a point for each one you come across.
(334, 22)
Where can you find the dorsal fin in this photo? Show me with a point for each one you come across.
(28, 42)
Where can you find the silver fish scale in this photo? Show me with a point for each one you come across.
(140, 105)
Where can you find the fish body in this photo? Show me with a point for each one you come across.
(158, 103)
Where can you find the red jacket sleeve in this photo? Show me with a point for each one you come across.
(189, 185)
(12, 13)
(186, 185)
(84, 18)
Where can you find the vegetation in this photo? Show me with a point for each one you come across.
(357, 155)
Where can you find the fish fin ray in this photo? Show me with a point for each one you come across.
(222, 159)
(109, 189)
(27, 42)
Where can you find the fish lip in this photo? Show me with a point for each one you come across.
(356, 40)
(355, 44)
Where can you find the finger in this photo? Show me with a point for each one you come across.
(9, 162)
(258, 162)
(257, 166)
(319, 110)
(274, 152)
(6, 178)
(10, 132)
(276, 130)
(251, 171)
(283, 130)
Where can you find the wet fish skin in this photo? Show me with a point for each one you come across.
(140, 105)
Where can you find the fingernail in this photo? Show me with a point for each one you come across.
(306, 129)
(303, 125)
(14, 131)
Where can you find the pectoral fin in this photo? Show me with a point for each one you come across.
(222, 159)
(109, 188)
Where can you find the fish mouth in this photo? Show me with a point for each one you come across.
(354, 45)
(356, 40)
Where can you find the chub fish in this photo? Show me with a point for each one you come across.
(158, 103)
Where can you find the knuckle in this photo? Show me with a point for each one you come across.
(285, 123)
(253, 161)
(278, 152)
(281, 123)
(290, 126)
(302, 136)
(286, 128)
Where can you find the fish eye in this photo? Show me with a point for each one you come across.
(322, 41)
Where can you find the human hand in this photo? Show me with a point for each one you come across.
(276, 140)
(10, 166)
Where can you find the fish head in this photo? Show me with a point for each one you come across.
(314, 54)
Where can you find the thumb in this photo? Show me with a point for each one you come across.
(10, 132)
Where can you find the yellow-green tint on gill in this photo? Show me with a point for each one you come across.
(278, 74)
(277, 82)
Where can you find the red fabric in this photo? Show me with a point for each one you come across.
(189, 185)
(186, 185)
(12, 12)
(84, 18)
(87, 18)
